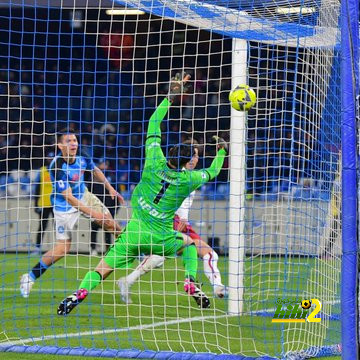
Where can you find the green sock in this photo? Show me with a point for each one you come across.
(91, 280)
(190, 261)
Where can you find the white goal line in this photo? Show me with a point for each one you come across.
(110, 331)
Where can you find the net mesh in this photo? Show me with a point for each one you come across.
(102, 75)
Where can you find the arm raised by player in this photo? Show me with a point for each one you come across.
(153, 138)
(200, 177)
(99, 175)
(216, 164)
(218, 161)
(153, 150)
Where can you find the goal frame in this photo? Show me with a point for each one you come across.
(349, 14)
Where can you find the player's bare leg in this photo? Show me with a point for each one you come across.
(210, 262)
(60, 249)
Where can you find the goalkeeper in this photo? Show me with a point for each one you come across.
(181, 223)
(164, 185)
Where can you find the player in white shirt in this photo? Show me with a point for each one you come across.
(208, 255)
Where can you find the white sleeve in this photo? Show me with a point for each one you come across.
(183, 211)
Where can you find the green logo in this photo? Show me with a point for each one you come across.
(296, 311)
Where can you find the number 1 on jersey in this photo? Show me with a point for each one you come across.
(160, 194)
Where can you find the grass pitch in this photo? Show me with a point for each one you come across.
(162, 316)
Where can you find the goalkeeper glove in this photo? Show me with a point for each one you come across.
(179, 85)
(220, 143)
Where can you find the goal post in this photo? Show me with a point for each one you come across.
(237, 170)
(350, 90)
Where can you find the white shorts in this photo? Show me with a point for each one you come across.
(65, 221)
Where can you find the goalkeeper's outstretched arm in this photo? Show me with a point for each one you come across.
(154, 131)
(216, 165)
(200, 177)
(153, 137)
(153, 150)
(218, 162)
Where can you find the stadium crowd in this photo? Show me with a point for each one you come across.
(27, 126)
(87, 84)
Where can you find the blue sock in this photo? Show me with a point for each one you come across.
(38, 270)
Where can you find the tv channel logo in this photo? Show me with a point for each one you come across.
(291, 311)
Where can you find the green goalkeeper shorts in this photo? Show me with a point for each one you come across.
(138, 238)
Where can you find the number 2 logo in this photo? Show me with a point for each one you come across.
(311, 317)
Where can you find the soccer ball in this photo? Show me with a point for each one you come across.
(306, 304)
(242, 98)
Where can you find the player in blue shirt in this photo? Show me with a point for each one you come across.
(70, 198)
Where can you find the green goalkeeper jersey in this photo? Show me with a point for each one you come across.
(162, 189)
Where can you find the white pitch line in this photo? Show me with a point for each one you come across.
(110, 331)
(107, 292)
(115, 330)
(45, 290)
(252, 296)
(8, 289)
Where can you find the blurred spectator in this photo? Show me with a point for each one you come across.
(122, 174)
(118, 48)
(135, 175)
(43, 207)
